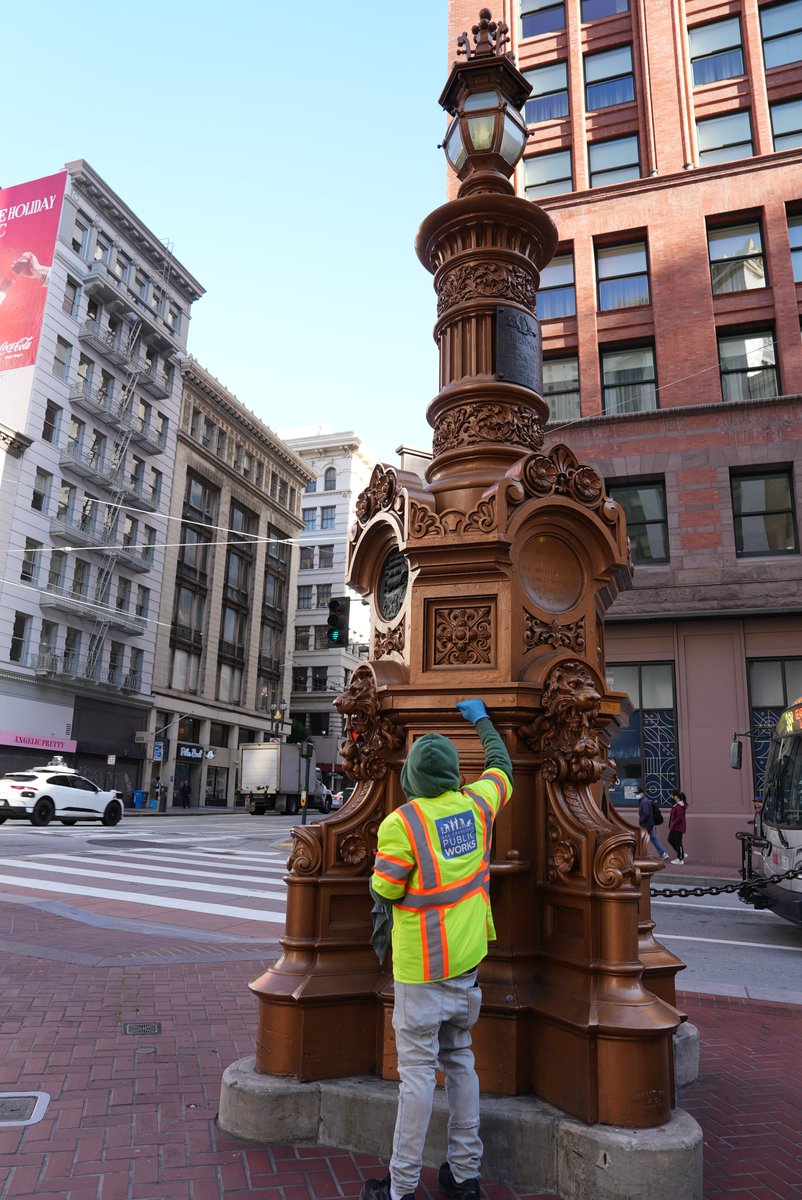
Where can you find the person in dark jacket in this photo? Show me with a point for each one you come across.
(677, 824)
(646, 820)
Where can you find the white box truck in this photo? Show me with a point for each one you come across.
(272, 776)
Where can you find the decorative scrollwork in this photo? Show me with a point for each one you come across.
(562, 859)
(552, 633)
(560, 473)
(513, 424)
(564, 734)
(425, 522)
(480, 281)
(306, 856)
(392, 641)
(463, 636)
(369, 735)
(614, 865)
(382, 492)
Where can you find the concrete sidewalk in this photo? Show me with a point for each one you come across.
(131, 1116)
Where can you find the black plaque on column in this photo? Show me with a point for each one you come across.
(519, 348)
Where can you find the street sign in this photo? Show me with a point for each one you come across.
(111, 760)
(158, 751)
(141, 736)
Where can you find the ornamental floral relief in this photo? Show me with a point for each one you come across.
(551, 633)
(513, 424)
(425, 522)
(391, 641)
(382, 492)
(474, 281)
(463, 636)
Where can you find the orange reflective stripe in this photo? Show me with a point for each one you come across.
(498, 780)
(388, 878)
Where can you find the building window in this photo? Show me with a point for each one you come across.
(548, 174)
(327, 516)
(561, 388)
(593, 10)
(782, 33)
(184, 670)
(61, 359)
(20, 637)
(71, 298)
(608, 78)
(29, 568)
(200, 501)
(307, 559)
(763, 514)
(716, 51)
(323, 595)
(122, 266)
(646, 751)
(310, 518)
(748, 366)
(273, 595)
(556, 296)
(80, 234)
(41, 490)
(325, 557)
(330, 479)
(774, 684)
(786, 124)
(302, 637)
(300, 676)
(229, 683)
(644, 506)
(629, 380)
(305, 596)
(722, 139)
(623, 276)
(549, 97)
(321, 637)
(614, 161)
(541, 16)
(320, 679)
(50, 425)
(72, 652)
(736, 258)
(311, 486)
(795, 240)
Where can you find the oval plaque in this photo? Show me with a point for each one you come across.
(551, 573)
(392, 587)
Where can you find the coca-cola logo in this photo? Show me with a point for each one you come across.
(24, 343)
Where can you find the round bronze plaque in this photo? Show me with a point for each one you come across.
(392, 585)
(551, 573)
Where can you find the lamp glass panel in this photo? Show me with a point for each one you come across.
(482, 130)
(513, 140)
(454, 146)
(480, 100)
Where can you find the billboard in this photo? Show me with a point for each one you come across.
(29, 220)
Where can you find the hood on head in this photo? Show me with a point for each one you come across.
(432, 767)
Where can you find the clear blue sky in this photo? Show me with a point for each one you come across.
(289, 154)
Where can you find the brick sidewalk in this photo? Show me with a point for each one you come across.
(133, 1117)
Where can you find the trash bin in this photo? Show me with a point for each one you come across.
(153, 802)
(139, 799)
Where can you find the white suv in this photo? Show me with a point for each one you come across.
(56, 791)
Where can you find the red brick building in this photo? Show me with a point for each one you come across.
(666, 143)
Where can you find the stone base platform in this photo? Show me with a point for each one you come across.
(528, 1143)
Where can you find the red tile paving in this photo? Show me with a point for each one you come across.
(133, 1118)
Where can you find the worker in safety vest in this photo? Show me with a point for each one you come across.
(432, 877)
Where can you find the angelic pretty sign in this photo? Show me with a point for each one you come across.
(33, 741)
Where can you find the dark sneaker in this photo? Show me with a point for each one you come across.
(469, 1190)
(379, 1189)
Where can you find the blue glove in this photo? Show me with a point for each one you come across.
(472, 710)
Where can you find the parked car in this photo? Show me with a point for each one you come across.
(56, 792)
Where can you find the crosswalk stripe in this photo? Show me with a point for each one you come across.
(210, 856)
(222, 910)
(183, 884)
(189, 869)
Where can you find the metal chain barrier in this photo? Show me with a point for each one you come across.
(744, 887)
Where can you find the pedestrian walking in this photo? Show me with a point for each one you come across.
(646, 820)
(185, 794)
(677, 824)
(430, 883)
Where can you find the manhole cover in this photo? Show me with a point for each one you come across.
(22, 1108)
(137, 1027)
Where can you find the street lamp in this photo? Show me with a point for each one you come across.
(484, 94)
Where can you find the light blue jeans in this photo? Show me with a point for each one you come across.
(432, 1023)
(653, 839)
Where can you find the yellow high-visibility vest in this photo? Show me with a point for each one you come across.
(433, 863)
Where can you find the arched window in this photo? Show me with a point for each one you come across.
(330, 479)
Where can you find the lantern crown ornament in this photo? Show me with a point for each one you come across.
(484, 95)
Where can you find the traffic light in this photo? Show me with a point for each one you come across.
(339, 611)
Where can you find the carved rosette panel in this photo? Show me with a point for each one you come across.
(306, 856)
(553, 634)
(392, 641)
(513, 424)
(481, 281)
(563, 856)
(369, 736)
(560, 473)
(382, 492)
(357, 847)
(425, 522)
(564, 733)
(614, 865)
(463, 636)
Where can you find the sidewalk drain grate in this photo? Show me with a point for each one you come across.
(137, 1027)
(22, 1108)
